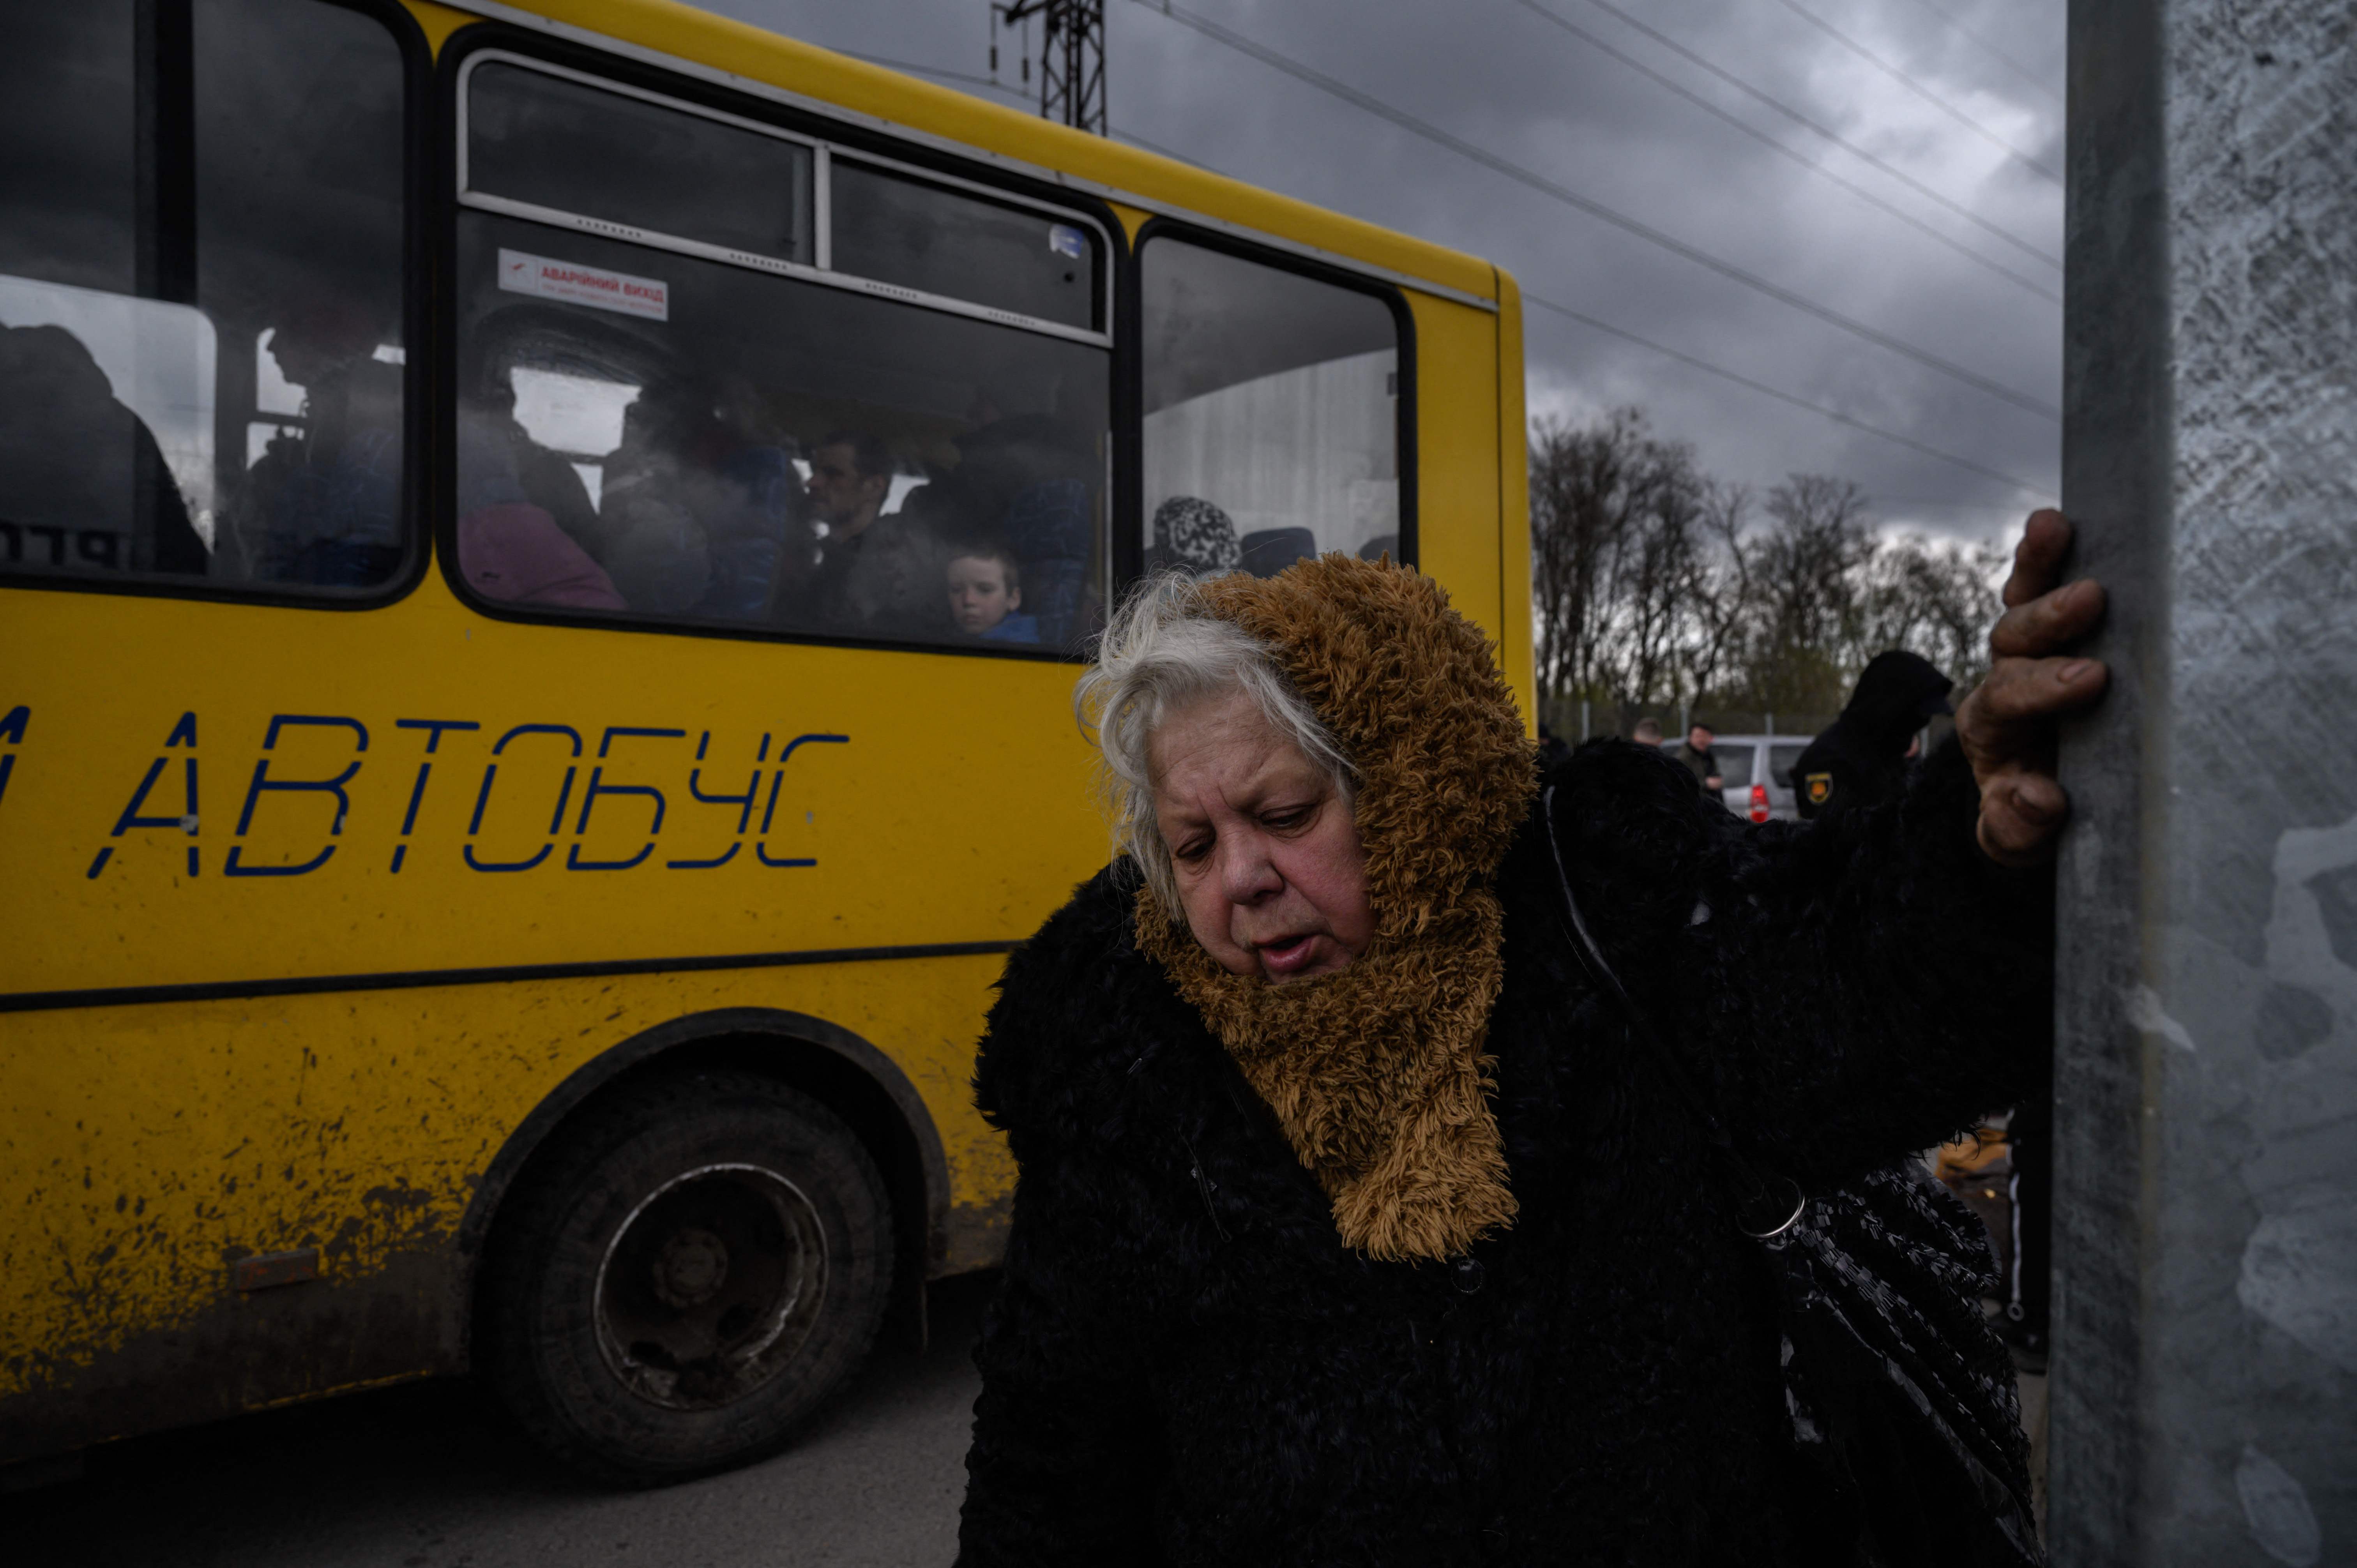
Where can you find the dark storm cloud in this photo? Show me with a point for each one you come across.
(1493, 73)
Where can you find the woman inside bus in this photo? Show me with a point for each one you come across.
(1351, 1223)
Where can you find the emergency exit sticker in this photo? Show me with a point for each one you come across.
(570, 281)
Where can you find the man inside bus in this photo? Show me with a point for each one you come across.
(878, 573)
(323, 507)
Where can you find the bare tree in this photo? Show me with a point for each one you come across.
(1652, 571)
(1620, 529)
(1933, 599)
(1804, 566)
(1579, 505)
(1719, 592)
(1653, 585)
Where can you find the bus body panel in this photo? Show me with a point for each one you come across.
(1456, 475)
(1514, 630)
(358, 1125)
(900, 799)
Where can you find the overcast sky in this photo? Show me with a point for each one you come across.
(1499, 75)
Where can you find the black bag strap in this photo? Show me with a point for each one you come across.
(1766, 1205)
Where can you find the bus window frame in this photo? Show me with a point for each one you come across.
(655, 83)
(1131, 558)
(824, 151)
(416, 326)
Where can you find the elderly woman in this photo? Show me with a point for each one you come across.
(1357, 1222)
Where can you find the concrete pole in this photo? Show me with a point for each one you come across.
(2204, 1372)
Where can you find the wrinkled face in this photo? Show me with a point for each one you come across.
(846, 499)
(980, 596)
(1267, 856)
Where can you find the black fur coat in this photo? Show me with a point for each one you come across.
(1184, 1365)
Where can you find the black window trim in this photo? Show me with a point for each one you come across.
(606, 66)
(417, 243)
(1130, 554)
(823, 153)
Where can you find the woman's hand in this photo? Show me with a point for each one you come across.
(2007, 725)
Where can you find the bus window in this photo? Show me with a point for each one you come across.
(193, 197)
(945, 242)
(648, 430)
(1271, 427)
(551, 142)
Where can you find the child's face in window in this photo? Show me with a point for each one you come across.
(980, 596)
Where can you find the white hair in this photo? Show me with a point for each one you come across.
(1165, 651)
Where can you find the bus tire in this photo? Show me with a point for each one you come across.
(687, 1273)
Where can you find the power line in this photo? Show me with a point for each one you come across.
(1618, 220)
(1778, 393)
(1828, 132)
(994, 85)
(2027, 75)
(1917, 88)
(1695, 362)
(1707, 107)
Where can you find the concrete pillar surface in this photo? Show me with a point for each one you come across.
(2205, 1386)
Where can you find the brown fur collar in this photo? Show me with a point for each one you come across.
(1378, 1074)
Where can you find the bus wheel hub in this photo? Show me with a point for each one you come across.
(710, 1285)
(693, 1266)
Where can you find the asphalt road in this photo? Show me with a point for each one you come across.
(430, 1475)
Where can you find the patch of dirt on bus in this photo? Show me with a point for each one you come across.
(246, 1351)
(974, 1234)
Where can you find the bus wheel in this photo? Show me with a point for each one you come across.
(690, 1269)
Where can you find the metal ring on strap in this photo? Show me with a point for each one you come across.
(1799, 1206)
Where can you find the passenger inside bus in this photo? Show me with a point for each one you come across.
(879, 572)
(512, 548)
(82, 483)
(698, 515)
(1024, 478)
(323, 507)
(1193, 536)
(488, 431)
(986, 589)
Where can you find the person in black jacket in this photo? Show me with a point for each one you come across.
(1863, 755)
(1861, 758)
(1351, 1225)
(1701, 759)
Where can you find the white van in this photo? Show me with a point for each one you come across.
(1758, 772)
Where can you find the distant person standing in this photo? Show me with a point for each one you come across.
(1647, 733)
(1863, 756)
(1701, 759)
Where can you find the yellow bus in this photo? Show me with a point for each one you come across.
(542, 558)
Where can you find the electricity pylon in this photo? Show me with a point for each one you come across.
(1072, 57)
